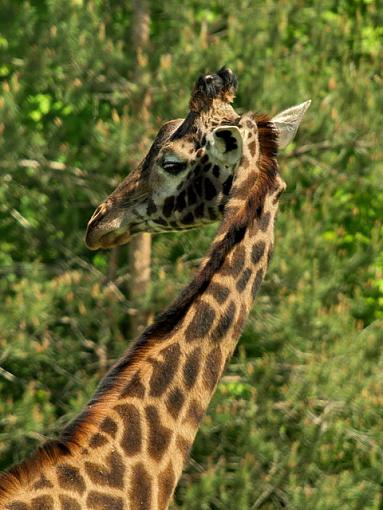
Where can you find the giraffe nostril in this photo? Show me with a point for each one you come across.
(98, 214)
(92, 232)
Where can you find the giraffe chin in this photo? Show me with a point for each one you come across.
(112, 240)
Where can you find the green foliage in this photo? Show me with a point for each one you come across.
(297, 419)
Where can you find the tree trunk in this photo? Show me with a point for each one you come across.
(140, 245)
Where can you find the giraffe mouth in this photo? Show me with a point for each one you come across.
(107, 240)
(114, 239)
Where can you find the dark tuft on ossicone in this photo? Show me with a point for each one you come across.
(220, 85)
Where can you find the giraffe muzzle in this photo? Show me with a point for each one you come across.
(104, 231)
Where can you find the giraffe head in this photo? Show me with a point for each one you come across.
(185, 179)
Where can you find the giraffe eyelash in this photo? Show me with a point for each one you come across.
(174, 167)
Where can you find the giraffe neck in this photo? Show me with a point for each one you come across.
(127, 449)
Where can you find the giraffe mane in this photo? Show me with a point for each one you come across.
(74, 434)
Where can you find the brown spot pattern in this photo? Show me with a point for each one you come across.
(159, 435)
(252, 147)
(68, 503)
(270, 255)
(257, 282)
(141, 488)
(183, 445)
(112, 475)
(97, 440)
(219, 292)
(259, 211)
(69, 478)
(264, 221)
(131, 440)
(134, 388)
(100, 501)
(212, 369)
(201, 323)
(164, 371)
(242, 191)
(175, 402)
(187, 219)
(243, 280)
(168, 206)
(241, 321)
(234, 266)
(44, 502)
(257, 251)
(191, 367)
(194, 413)
(151, 207)
(42, 483)
(226, 186)
(18, 505)
(224, 323)
(109, 426)
(199, 211)
(166, 484)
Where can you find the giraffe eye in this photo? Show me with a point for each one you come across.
(174, 167)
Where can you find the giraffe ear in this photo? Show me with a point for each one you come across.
(287, 122)
(225, 144)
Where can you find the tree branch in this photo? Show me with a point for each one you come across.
(53, 165)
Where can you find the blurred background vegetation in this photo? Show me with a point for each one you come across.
(297, 421)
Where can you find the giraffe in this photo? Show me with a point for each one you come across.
(127, 448)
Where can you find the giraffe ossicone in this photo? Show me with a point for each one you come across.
(127, 448)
